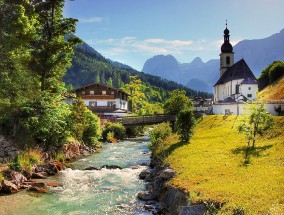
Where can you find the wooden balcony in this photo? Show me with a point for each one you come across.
(99, 97)
(101, 109)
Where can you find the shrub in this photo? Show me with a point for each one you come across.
(117, 128)
(110, 137)
(159, 133)
(26, 160)
(185, 123)
(45, 119)
(92, 131)
(276, 71)
(134, 131)
(270, 74)
(60, 157)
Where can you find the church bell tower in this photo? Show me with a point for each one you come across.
(227, 54)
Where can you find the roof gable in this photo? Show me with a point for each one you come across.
(99, 85)
(239, 70)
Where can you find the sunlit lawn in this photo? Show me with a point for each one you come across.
(211, 167)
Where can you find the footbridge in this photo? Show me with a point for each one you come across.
(147, 119)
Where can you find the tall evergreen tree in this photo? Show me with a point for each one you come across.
(18, 25)
(53, 47)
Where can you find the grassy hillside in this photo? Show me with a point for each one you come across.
(274, 91)
(211, 167)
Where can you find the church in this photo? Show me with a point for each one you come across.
(236, 85)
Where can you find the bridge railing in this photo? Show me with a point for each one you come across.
(147, 119)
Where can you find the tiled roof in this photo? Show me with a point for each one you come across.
(239, 70)
(229, 100)
(102, 85)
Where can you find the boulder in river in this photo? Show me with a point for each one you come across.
(53, 184)
(111, 167)
(146, 196)
(54, 167)
(93, 168)
(8, 187)
(15, 177)
(144, 174)
(38, 189)
(39, 175)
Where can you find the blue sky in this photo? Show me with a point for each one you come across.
(132, 31)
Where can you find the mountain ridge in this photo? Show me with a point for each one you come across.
(258, 53)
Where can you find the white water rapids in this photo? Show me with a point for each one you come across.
(106, 191)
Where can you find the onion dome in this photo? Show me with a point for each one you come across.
(226, 47)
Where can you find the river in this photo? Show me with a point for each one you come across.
(106, 191)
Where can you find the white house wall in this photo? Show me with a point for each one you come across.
(121, 104)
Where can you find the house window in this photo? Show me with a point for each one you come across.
(109, 103)
(112, 92)
(249, 88)
(92, 92)
(93, 103)
(103, 92)
(249, 95)
(228, 60)
(83, 92)
(237, 89)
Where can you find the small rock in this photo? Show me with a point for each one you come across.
(93, 168)
(53, 184)
(54, 167)
(39, 175)
(38, 189)
(8, 187)
(16, 177)
(144, 174)
(194, 209)
(111, 167)
(167, 174)
(149, 207)
(146, 196)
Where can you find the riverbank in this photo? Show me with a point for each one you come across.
(109, 190)
(210, 169)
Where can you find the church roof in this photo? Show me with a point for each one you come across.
(239, 70)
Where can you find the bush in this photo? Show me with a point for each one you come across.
(185, 123)
(110, 137)
(276, 71)
(270, 74)
(159, 133)
(26, 160)
(92, 131)
(117, 128)
(45, 119)
(134, 131)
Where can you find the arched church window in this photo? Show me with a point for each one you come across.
(228, 60)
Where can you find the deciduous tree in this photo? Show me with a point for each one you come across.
(255, 122)
(176, 102)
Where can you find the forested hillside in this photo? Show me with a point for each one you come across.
(89, 66)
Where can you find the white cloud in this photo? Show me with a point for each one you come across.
(155, 46)
(91, 20)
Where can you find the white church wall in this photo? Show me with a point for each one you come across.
(231, 108)
(270, 107)
(249, 91)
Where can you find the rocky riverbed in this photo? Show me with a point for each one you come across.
(163, 198)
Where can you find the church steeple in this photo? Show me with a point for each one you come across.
(227, 54)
